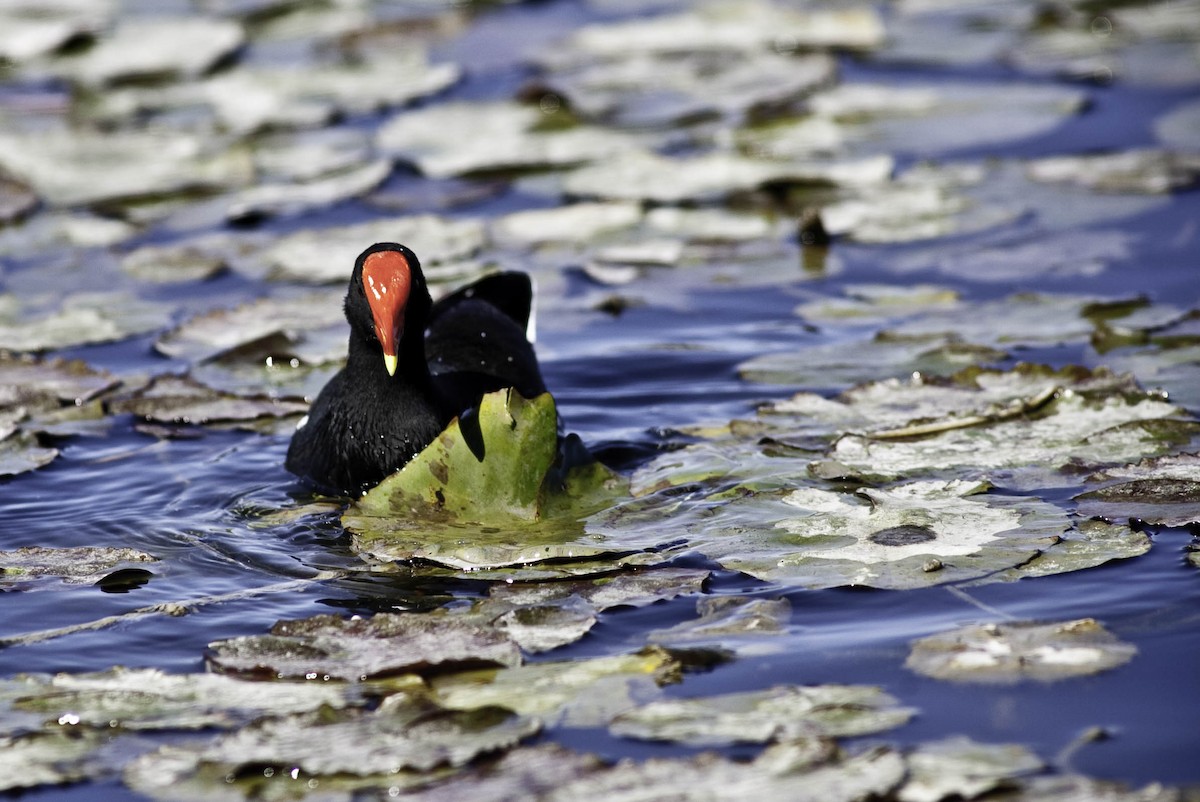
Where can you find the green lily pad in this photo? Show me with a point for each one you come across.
(1010, 652)
(495, 137)
(80, 565)
(962, 768)
(452, 507)
(148, 699)
(579, 693)
(386, 644)
(154, 48)
(777, 714)
(1163, 491)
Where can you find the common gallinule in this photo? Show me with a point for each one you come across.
(413, 366)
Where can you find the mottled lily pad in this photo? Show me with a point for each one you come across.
(41, 758)
(434, 507)
(960, 767)
(1011, 652)
(148, 699)
(1164, 491)
(493, 137)
(79, 565)
(777, 714)
(388, 643)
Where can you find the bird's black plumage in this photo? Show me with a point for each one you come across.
(365, 424)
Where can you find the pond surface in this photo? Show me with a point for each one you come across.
(1036, 201)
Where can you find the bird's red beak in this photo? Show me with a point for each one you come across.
(387, 279)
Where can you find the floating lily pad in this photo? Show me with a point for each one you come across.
(323, 256)
(21, 454)
(960, 767)
(74, 168)
(729, 620)
(172, 263)
(636, 174)
(1075, 788)
(271, 199)
(1011, 652)
(352, 748)
(82, 319)
(578, 693)
(31, 384)
(1144, 171)
(148, 699)
(79, 565)
(1163, 491)
(686, 87)
(735, 26)
(280, 326)
(16, 200)
(32, 28)
(494, 137)
(40, 758)
(175, 400)
(570, 223)
(777, 714)
(154, 48)
(433, 508)
(386, 644)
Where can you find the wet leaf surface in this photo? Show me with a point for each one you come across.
(332, 647)
(1012, 652)
(79, 565)
(963, 768)
(1163, 491)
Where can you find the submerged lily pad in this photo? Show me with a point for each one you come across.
(388, 643)
(962, 768)
(433, 508)
(777, 714)
(1011, 652)
(79, 565)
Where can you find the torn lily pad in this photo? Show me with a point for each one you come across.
(329, 646)
(148, 699)
(778, 714)
(962, 768)
(83, 565)
(1162, 491)
(454, 507)
(1010, 652)
(494, 137)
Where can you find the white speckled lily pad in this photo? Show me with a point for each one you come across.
(777, 714)
(1011, 652)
